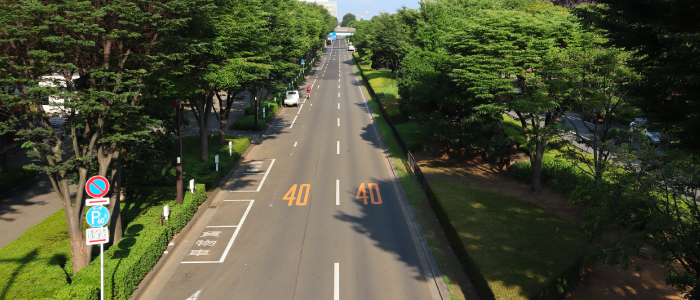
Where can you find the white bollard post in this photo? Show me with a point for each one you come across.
(192, 186)
(166, 211)
(230, 147)
(216, 160)
(268, 103)
(263, 113)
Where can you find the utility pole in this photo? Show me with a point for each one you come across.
(178, 150)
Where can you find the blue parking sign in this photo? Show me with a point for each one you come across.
(97, 216)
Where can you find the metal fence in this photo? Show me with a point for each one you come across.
(414, 167)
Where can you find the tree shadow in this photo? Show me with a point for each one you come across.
(23, 261)
(385, 225)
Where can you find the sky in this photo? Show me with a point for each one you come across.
(359, 7)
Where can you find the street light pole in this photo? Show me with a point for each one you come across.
(178, 150)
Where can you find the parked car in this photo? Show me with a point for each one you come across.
(593, 116)
(639, 123)
(292, 98)
(351, 48)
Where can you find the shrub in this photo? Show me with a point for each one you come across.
(248, 111)
(36, 265)
(248, 123)
(14, 177)
(205, 172)
(559, 174)
(136, 253)
(416, 146)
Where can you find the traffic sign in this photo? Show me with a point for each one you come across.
(96, 236)
(97, 216)
(96, 201)
(97, 186)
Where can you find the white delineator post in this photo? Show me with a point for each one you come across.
(192, 186)
(264, 112)
(216, 160)
(230, 147)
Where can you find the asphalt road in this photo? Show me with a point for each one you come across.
(313, 212)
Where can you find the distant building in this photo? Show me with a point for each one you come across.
(331, 6)
(571, 3)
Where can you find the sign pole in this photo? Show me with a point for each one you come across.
(102, 271)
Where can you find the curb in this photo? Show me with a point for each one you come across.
(146, 281)
(256, 140)
(426, 256)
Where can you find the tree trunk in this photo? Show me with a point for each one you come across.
(115, 222)
(222, 133)
(536, 162)
(203, 144)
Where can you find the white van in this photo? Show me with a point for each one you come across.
(292, 98)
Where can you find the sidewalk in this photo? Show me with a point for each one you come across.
(30, 205)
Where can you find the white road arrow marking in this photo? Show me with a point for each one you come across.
(195, 296)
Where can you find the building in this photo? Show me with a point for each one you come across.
(331, 6)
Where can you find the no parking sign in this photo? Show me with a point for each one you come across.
(97, 186)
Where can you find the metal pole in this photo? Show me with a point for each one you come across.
(102, 271)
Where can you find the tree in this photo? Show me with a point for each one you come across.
(648, 210)
(388, 39)
(99, 54)
(664, 36)
(347, 18)
(499, 55)
(596, 77)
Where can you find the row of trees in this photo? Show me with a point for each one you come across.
(460, 64)
(122, 64)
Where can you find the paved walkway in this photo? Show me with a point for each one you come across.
(32, 204)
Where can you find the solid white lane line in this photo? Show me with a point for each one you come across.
(338, 148)
(300, 107)
(230, 226)
(295, 119)
(230, 243)
(337, 192)
(336, 281)
(295, 144)
(338, 122)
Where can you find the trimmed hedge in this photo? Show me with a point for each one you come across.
(14, 177)
(248, 123)
(128, 262)
(37, 263)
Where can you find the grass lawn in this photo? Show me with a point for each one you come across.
(382, 82)
(519, 247)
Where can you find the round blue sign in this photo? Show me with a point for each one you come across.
(97, 216)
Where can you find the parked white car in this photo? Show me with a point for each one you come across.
(292, 98)
(654, 136)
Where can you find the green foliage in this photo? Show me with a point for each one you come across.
(205, 172)
(512, 249)
(139, 250)
(559, 174)
(664, 36)
(14, 177)
(38, 263)
(648, 210)
(248, 123)
(347, 18)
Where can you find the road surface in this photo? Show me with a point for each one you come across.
(312, 213)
